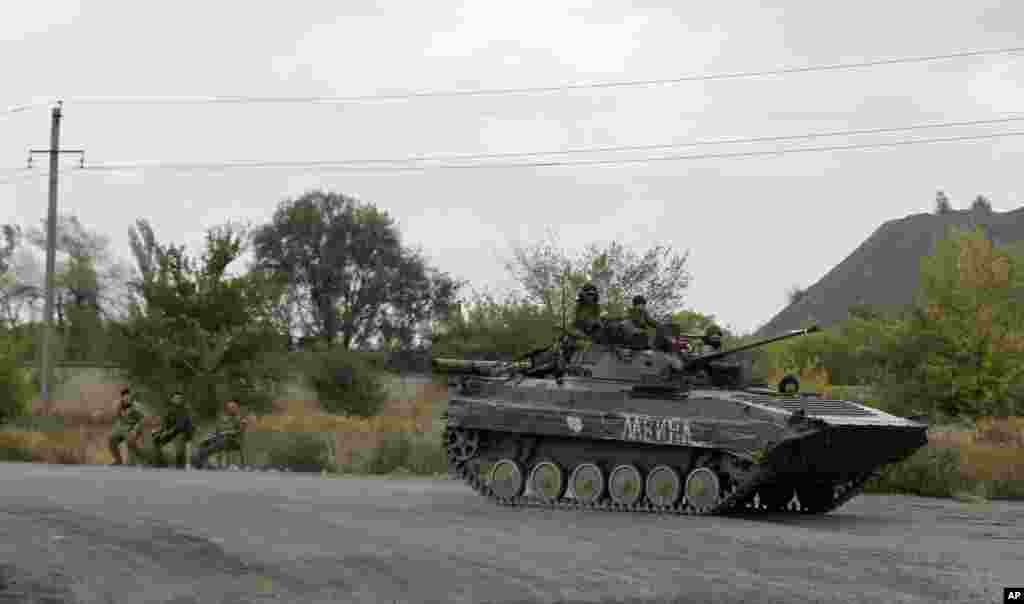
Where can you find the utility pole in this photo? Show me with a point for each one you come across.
(46, 371)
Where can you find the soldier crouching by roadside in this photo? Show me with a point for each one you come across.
(227, 435)
(127, 429)
(177, 428)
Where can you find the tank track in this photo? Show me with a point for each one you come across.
(737, 499)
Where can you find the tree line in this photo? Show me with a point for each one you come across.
(326, 272)
(957, 352)
(329, 274)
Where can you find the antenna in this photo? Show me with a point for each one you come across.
(564, 276)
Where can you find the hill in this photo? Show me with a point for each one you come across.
(884, 271)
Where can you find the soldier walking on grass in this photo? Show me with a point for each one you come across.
(178, 429)
(227, 435)
(128, 429)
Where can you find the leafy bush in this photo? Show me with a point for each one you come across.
(1004, 489)
(930, 472)
(15, 388)
(400, 451)
(346, 383)
(302, 452)
(12, 450)
(391, 454)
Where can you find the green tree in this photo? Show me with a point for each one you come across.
(491, 328)
(350, 277)
(194, 326)
(88, 284)
(691, 321)
(658, 273)
(795, 293)
(15, 386)
(973, 319)
(981, 204)
(942, 205)
(8, 309)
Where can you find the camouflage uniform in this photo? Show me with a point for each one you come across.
(127, 429)
(641, 318)
(602, 330)
(177, 428)
(227, 436)
(588, 318)
(658, 335)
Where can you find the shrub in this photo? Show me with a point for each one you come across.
(934, 471)
(420, 454)
(391, 454)
(12, 449)
(346, 383)
(15, 387)
(427, 455)
(302, 452)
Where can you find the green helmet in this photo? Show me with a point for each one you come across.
(589, 294)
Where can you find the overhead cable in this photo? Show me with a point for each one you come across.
(649, 147)
(248, 99)
(348, 165)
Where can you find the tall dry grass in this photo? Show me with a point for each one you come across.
(353, 436)
(76, 431)
(79, 445)
(992, 452)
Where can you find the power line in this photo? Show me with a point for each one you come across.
(646, 147)
(247, 99)
(346, 166)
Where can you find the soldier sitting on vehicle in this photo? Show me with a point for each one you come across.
(588, 310)
(659, 335)
(177, 428)
(603, 330)
(713, 337)
(128, 429)
(226, 437)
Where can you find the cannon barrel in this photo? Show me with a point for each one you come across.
(703, 359)
(469, 367)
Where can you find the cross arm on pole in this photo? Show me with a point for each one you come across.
(79, 152)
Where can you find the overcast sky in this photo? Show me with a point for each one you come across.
(753, 226)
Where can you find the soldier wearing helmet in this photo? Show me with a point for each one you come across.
(713, 337)
(602, 330)
(641, 319)
(639, 316)
(588, 310)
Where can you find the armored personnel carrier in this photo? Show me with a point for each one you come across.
(671, 431)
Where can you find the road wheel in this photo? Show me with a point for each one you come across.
(664, 486)
(507, 479)
(463, 444)
(587, 483)
(703, 489)
(775, 497)
(625, 485)
(815, 498)
(547, 481)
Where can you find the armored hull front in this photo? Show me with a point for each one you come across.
(616, 444)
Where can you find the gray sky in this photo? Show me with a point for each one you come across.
(753, 226)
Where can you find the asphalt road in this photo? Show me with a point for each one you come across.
(93, 534)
